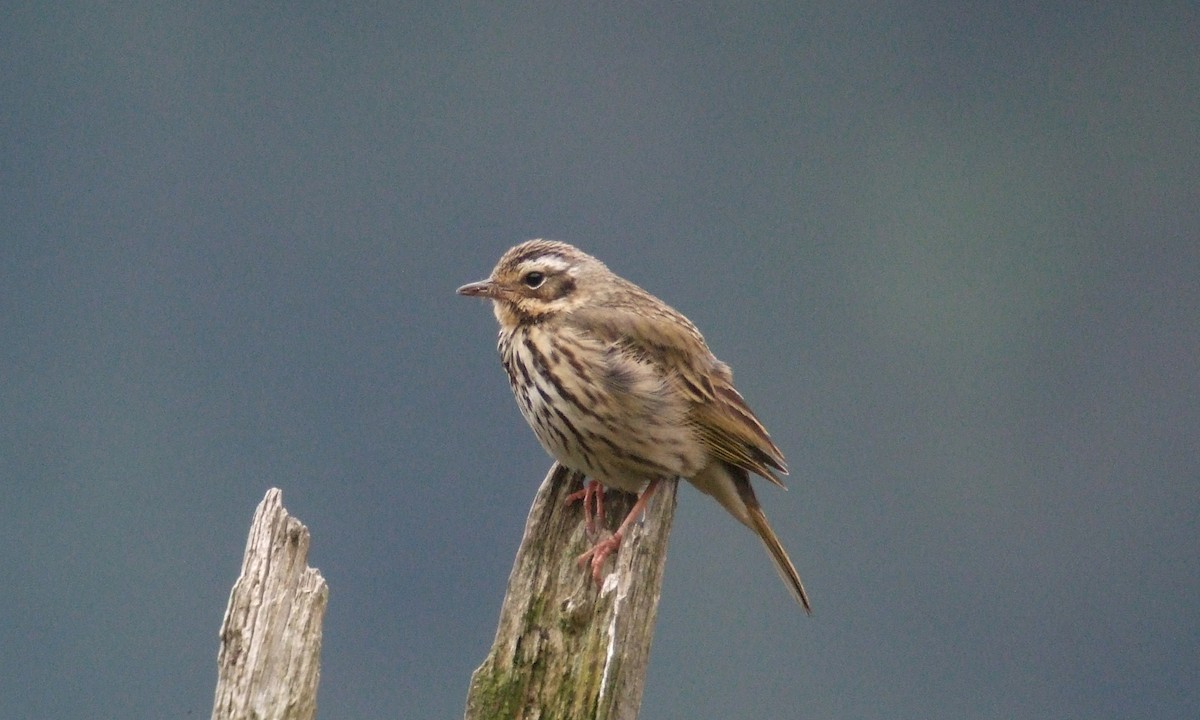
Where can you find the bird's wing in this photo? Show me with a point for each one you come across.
(655, 333)
(732, 432)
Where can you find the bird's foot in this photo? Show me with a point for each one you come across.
(592, 496)
(609, 545)
(598, 554)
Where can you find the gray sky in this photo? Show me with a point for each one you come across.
(951, 251)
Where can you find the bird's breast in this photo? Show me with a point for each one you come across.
(619, 419)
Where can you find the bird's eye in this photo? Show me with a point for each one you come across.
(533, 279)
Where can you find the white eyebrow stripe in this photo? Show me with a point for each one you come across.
(552, 263)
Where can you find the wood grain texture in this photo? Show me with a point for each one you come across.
(565, 648)
(268, 664)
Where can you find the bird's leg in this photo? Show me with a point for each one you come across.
(601, 550)
(592, 495)
(598, 502)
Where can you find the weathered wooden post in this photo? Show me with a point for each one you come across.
(269, 661)
(566, 649)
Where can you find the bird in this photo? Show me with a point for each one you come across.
(623, 389)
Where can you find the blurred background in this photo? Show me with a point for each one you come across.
(952, 251)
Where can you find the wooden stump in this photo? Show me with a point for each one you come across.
(269, 661)
(564, 648)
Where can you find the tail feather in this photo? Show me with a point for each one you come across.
(783, 563)
(730, 486)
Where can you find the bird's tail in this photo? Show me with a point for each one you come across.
(758, 523)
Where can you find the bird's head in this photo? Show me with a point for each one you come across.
(536, 280)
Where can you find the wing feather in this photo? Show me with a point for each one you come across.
(655, 333)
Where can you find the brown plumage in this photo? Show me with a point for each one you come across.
(619, 386)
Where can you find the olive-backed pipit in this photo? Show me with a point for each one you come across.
(619, 386)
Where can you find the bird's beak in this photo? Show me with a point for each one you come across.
(483, 288)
